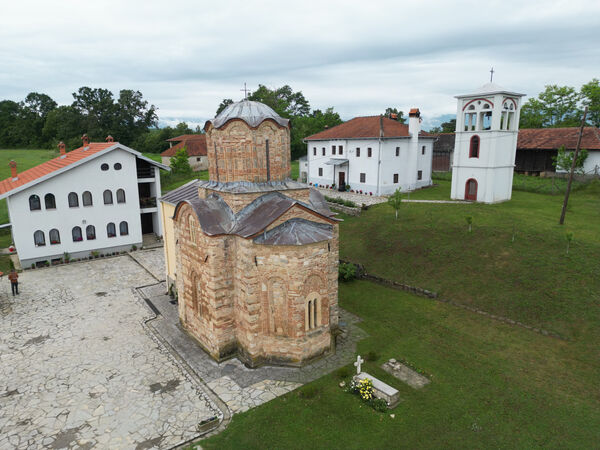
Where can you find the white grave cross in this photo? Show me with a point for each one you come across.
(357, 364)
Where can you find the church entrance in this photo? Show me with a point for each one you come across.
(471, 189)
(342, 181)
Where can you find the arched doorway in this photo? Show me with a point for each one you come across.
(471, 189)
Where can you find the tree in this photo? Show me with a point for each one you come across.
(180, 162)
(63, 124)
(449, 127)
(399, 114)
(590, 94)
(224, 104)
(564, 159)
(395, 200)
(556, 106)
(305, 126)
(97, 107)
(132, 116)
(283, 100)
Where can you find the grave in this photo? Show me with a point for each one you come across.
(405, 374)
(380, 389)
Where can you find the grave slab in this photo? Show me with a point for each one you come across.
(405, 374)
(381, 389)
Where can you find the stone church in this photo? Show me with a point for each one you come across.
(256, 254)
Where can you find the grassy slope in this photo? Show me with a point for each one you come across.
(494, 385)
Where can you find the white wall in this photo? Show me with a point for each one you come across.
(86, 177)
(379, 169)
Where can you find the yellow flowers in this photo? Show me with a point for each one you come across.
(365, 389)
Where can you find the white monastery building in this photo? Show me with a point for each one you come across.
(487, 125)
(372, 154)
(99, 197)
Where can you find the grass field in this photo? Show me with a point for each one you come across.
(494, 385)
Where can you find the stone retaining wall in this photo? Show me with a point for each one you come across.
(345, 209)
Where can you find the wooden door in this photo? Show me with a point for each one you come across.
(471, 190)
(342, 181)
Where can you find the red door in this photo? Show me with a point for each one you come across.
(471, 190)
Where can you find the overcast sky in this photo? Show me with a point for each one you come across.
(357, 56)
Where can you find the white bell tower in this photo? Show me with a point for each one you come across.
(487, 124)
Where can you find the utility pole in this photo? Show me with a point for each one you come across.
(564, 208)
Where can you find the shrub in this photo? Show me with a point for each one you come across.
(343, 372)
(378, 404)
(308, 392)
(133, 248)
(372, 356)
(346, 272)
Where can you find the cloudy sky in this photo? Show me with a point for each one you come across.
(357, 56)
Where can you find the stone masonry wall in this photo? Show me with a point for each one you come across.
(237, 152)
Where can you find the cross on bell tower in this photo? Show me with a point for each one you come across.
(491, 74)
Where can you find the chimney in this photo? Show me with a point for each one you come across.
(414, 122)
(62, 148)
(13, 169)
(394, 116)
(327, 127)
(86, 140)
(109, 138)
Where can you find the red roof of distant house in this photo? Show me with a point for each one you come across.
(195, 146)
(365, 127)
(187, 137)
(554, 138)
(53, 165)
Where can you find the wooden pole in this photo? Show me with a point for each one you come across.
(564, 208)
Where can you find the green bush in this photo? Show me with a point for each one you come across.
(372, 356)
(308, 392)
(346, 272)
(378, 404)
(343, 372)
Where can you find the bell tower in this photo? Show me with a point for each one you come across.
(487, 124)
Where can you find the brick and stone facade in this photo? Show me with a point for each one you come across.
(256, 258)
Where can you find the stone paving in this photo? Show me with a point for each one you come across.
(152, 260)
(79, 370)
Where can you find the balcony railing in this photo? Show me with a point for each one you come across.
(145, 172)
(147, 202)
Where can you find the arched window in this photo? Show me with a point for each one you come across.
(474, 147)
(90, 232)
(54, 236)
(76, 233)
(111, 230)
(312, 315)
(123, 228)
(196, 304)
(107, 197)
(192, 225)
(39, 239)
(87, 198)
(73, 200)
(34, 203)
(120, 196)
(50, 201)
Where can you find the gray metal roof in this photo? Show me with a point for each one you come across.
(490, 89)
(188, 191)
(253, 113)
(336, 162)
(296, 232)
(241, 187)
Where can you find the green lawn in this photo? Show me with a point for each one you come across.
(494, 385)
(295, 170)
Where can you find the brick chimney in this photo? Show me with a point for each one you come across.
(62, 148)
(86, 140)
(109, 138)
(414, 122)
(13, 169)
(394, 116)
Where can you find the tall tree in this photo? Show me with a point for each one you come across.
(556, 106)
(98, 109)
(224, 104)
(590, 94)
(132, 115)
(64, 123)
(283, 100)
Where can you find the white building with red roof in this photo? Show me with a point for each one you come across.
(372, 154)
(195, 147)
(100, 197)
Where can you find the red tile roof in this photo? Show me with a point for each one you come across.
(187, 137)
(364, 127)
(194, 147)
(554, 138)
(53, 165)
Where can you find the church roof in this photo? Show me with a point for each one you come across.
(185, 192)
(251, 112)
(217, 218)
(490, 89)
(296, 232)
(365, 127)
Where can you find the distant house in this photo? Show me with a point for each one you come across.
(195, 145)
(536, 148)
(372, 154)
(99, 197)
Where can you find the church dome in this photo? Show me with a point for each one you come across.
(253, 113)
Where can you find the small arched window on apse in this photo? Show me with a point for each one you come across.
(73, 200)
(192, 226)
(39, 239)
(35, 203)
(87, 198)
(50, 201)
(312, 313)
(108, 199)
(120, 196)
(474, 147)
(196, 295)
(54, 237)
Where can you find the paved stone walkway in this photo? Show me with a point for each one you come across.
(152, 260)
(78, 369)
